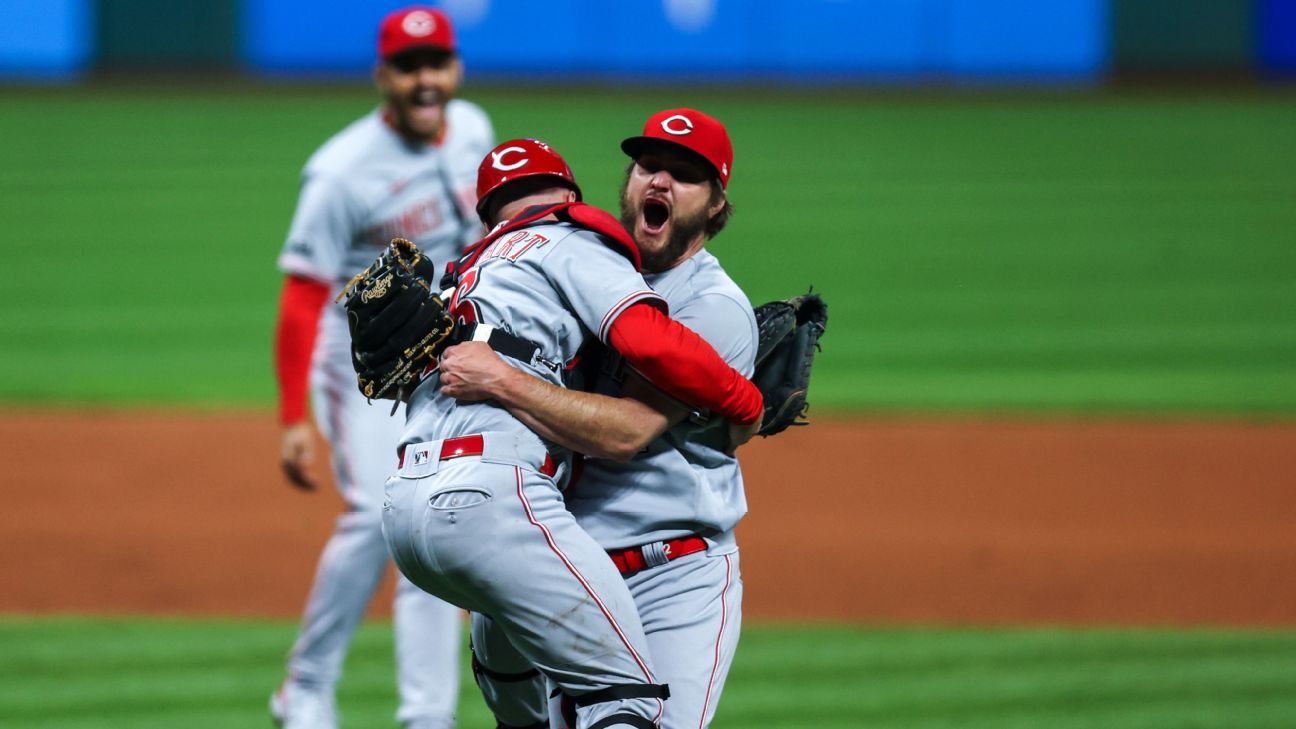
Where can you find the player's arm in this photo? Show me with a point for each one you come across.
(724, 321)
(683, 365)
(300, 305)
(663, 350)
(311, 256)
(597, 425)
(613, 301)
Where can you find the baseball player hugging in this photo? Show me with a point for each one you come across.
(661, 490)
(476, 513)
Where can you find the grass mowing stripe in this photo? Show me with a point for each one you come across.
(935, 678)
(138, 674)
(1136, 234)
(1078, 391)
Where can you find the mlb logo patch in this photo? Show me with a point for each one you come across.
(420, 460)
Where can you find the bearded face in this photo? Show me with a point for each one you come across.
(648, 219)
(666, 201)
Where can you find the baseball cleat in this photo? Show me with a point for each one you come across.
(294, 706)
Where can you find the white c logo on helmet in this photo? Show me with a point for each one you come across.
(667, 127)
(497, 159)
(419, 24)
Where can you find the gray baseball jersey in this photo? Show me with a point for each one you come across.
(552, 284)
(491, 533)
(683, 482)
(367, 185)
(364, 186)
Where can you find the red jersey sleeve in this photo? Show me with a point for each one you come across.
(300, 305)
(682, 364)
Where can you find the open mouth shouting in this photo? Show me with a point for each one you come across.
(655, 216)
(426, 104)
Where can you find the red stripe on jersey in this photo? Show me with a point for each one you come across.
(589, 589)
(648, 297)
(724, 616)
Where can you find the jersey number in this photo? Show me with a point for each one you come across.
(463, 309)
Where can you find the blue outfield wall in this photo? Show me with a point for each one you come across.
(1057, 39)
(45, 40)
(896, 41)
(292, 36)
(904, 40)
(1277, 35)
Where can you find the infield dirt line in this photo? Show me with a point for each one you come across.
(890, 521)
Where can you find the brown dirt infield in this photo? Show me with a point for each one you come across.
(886, 521)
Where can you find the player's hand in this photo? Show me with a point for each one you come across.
(739, 434)
(297, 454)
(473, 371)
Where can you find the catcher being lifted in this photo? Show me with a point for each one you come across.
(399, 326)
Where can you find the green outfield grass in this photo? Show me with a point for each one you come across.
(135, 674)
(1085, 252)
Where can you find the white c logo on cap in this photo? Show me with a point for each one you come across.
(497, 159)
(419, 24)
(666, 125)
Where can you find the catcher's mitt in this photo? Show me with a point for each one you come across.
(789, 339)
(397, 320)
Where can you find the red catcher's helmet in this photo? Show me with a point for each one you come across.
(516, 159)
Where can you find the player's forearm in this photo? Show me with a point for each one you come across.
(300, 306)
(597, 425)
(682, 364)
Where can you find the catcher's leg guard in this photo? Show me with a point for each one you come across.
(569, 704)
(508, 692)
(630, 720)
(481, 673)
(512, 688)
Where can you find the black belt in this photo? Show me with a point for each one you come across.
(507, 344)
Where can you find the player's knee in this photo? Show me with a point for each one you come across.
(482, 673)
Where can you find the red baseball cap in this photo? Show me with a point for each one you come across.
(414, 27)
(691, 129)
(518, 158)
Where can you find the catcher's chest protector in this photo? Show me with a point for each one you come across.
(576, 213)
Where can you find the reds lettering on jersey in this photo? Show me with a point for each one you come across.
(366, 186)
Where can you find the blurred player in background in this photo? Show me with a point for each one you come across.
(661, 490)
(407, 169)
